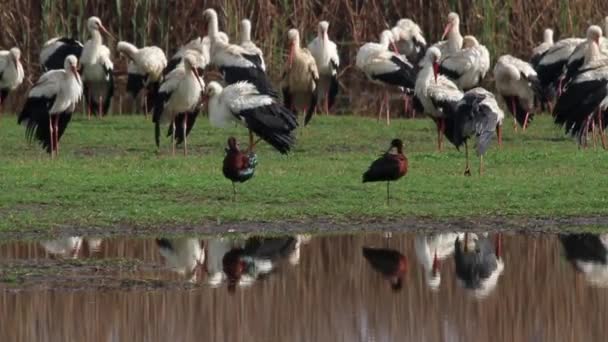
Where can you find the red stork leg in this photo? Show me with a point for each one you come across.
(513, 110)
(100, 113)
(481, 165)
(56, 135)
(51, 136)
(467, 168)
(184, 129)
(593, 133)
(89, 108)
(388, 110)
(466, 242)
(251, 143)
(381, 108)
(498, 246)
(145, 103)
(173, 137)
(526, 121)
(601, 124)
(326, 101)
(499, 134)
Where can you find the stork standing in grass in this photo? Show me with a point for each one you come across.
(469, 66)
(50, 104)
(454, 40)
(262, 114)
(247, 44)
(180, 92)
(97, 69)
(326, 56)
(11, 72)
(301, 78)
(145, 70)
(55, 50)
(539, 51)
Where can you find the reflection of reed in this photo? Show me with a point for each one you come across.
(332, 295)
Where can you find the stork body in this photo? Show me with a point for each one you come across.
(55, 50)
(550, 66)
(577, 58)
(11, 72)
(186, 256)
(469, 66)
(431, 249)
(262, 114)
(300, 79)
(325, 53)
(50, 104)
(247, 44)
(409, 40)
(539, 51)
(180, 93)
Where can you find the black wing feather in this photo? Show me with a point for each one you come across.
(56, 60)
(274, 124)
(385, 168)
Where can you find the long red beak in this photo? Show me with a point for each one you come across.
(75, 71)
(435, 70)
(395, 50)
(292, 51)
(498, 247)
(447, 30)
(198, 78)
(104, 30)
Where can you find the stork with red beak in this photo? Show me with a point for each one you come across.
(300, 78)
(97, 69)
(326, 55)
(452, 33)
(11, 72)
(50, 105)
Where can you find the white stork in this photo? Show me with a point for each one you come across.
(409, 40)
(517, 83)
(235, 62)
(262, 114)
(577, 58)
(431, 249)
(63, 247)
(585, 97)
(588, 254)
(454, 38)
(145, 70)
(50, 104)
(198, 47)
(385, 67)
(550, 67)
(97, 69)
(55, 50)
(11, 72)
(539, 51)
(469, 66)
(247, 44)
(185, 256)
(301, 78)
(434, 91)
(180, 93)
(326, 56)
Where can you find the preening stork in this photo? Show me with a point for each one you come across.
(180, 93)
(50, 104)
(235, 62)
(391, 166)
(588, 254)
(539, 51)
(97, 69)
(452, 33)
(55, 50)
(478, 263)
(518, 84)
(388, 262)
(198, 47)
(185, 256)
(327, 59)
(409, 40)
(11, 72)
(247, 44)
(145, 70)
(467, 67)
(238, 166)
(435, 92)
(262, 114)
(585, 98)
(431, 250)
(300, 79)
(384, 67)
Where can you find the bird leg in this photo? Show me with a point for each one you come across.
(388, 196)
(441, 130)
(173, 136)
(467, 168)
(388, 109)
(52, 136)
(498, 246)
(406, 104)
(481, 165)
(526, 121)
(89, 108)
(601, 124)
(466, 242)
(251, 143)
(513, 111)
(435, 267)
(56, 135)
(100, 113)
(499, 134)
(593, 133)
(233, 192)
(145, 103)
(381, 109)
(326, 103)
(184, 128)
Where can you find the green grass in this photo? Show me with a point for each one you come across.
(108, 173)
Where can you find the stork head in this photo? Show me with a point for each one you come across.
(294, 41)
(323, 27)
(71, 65)
(191, 64)
(396, 146)
(405, 23)
(433, 56)
(387, 38)
(94, 25)
(469, 42)
(233, 145)
(548, 36)
(594, 33)
(210, 18)
(214, 89)
(245, 30)
(453, 22)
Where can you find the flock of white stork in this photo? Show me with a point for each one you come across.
(569, 77)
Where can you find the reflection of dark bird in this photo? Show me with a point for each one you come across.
(390, 263)
(478, 263)
(588, 253)
(238, 166)
(390, 167)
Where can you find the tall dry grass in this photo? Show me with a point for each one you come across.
(512, 26)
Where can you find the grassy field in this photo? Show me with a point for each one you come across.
(108, 173)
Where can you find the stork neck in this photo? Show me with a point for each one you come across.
(548, 38)
(455, 39)
(96, 37)
(593, 53)
(385, 41)
(213, 27)
(245, 33)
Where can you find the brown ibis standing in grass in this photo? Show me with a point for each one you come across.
(327, 58)
(389, 262)
(144, 70)
(262, 114)
(238, 166)
(301, 78)
(390, 167)
(50, 104)
(11, 72)
(97, 70)
(180, 92)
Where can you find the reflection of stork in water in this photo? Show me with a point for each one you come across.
(588, 253)
(65, 247)
(478, 263)
(431, 249)
(185, 256)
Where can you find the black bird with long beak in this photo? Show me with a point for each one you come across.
(238, 167)
(390, 167)
(390, 263)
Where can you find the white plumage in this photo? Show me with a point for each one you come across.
(325, 53)
(300, 78)
(179, 93)
(248, 44)
(185, 256)
(409, 40)
(454, 38)
(543, 47)
(577, 58)
(97, 69)
(469, 66)
(55, 50)
(11, 72)
(260, 113)
(431, 249)
(50, 105)
(64, 247)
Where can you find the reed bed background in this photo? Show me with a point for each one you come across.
(504, 26)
